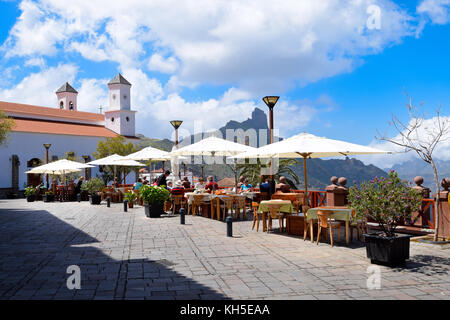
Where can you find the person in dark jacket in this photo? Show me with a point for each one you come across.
(162, 179)
(78, 186)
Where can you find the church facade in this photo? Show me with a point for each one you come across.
(61, 129)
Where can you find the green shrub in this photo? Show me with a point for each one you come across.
(154, 194)
(93, 186)
(30, 191)
(386, 201)
(130, 196)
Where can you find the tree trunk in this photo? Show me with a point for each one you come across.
(436, 204)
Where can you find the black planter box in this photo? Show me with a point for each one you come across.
(154, 210)
(31, 198)
(390, 251)
(48, 197)
(95, 199)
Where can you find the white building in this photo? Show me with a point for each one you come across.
(63, 127)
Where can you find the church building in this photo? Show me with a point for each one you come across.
(61, 129)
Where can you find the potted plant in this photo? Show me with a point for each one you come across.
(386, 201)
(93, 187)
(131, 197)
(154, 198)
(30, 194)
(49, 196)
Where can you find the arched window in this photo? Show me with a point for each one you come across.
(112, 119)
(61, 104)
(128, 119)
(70, 105)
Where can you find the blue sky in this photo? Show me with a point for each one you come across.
(214, 61)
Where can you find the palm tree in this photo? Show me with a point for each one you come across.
(253, 171)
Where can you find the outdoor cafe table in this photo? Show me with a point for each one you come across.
(214, 198)
(339, 213)
(286, 207)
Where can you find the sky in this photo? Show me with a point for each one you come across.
(341, 68)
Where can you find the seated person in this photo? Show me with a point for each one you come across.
(241, 182)
(211, 185)
(265, 185)
(283, 186)
(169, 185)
(115, 183)
(145, 182)
(178, 189)
(246, 186)
(186, 184)
(138, 184)
(200, 184)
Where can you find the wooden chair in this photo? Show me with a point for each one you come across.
(307, 225)
(264, 195)
(257, 216)
(298, 202)
(275, 213)
(228, 204)
(360, 226)
(177, 201)
(240, 203)
(325, 222)
(196, 204)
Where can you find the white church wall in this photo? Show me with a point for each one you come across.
(30, 145)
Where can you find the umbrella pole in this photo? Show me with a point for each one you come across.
(305, 196)
(214, 189)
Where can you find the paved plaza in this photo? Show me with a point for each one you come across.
(125, 255)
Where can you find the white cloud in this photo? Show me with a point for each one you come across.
(254, 45)
(442, 151)
(437, 10)
(158, 63)
(92, 95)
(39, 88)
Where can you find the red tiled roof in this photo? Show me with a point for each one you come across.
(26, 109)
(52, 127)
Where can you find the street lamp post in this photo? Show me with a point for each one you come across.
(271, 101)
(176, 124)
(47, 146)
(86, 158)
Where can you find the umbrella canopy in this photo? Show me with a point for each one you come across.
(58, 167)
(310, 146)
(305, 145)
(149, 153)
(107, 161)
(212, 146)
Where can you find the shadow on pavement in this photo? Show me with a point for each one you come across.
(36, 248)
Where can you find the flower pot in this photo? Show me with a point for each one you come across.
(154, 210)
(390, 251)
(95, 199)
(130, 205)
(48, 197)
(31, 198)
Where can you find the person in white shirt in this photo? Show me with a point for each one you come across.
(200, 184)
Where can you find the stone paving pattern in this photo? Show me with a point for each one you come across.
(125, 255)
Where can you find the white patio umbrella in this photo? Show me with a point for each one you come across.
(116, 160)
(60, 167)
(213, 146)
(305, 145)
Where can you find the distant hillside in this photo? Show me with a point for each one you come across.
(319, 171)
(417, 167)
(164, 144)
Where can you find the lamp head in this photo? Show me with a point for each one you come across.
(176, 123)
(271, 101)
(47, 145)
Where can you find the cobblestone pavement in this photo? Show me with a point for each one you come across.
(124, 255)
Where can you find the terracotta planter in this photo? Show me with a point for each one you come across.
(130, 205)
(31, 198)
